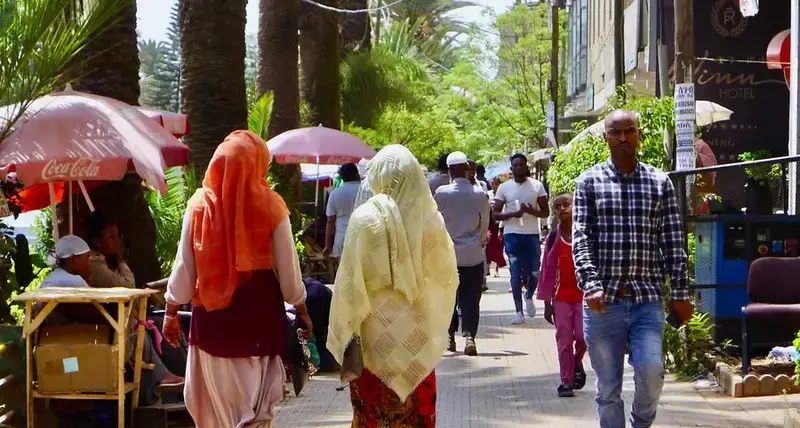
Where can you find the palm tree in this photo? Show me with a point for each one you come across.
(213, 94)
(151, 53)
(278, 74)
(355, 28)
(319, 61)
(277, 62)
(433, 15)
(109, 66)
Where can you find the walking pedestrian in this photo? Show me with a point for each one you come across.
(520, 203)
(627, 237)
(341, 203)
(398, 271)
(442, 178)
(465, 209)
(563, 300)
(237, 264)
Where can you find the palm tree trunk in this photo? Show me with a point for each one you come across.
(278, 73)
(319, 61)
(277, 62)
(355, 28)
(109, 66)
(212, 73)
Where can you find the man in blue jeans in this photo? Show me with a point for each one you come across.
(627, 237)
(519, 204)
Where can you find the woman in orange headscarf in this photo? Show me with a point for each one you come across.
(237, 264)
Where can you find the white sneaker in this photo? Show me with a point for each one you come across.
(530, 308)
(518, 319)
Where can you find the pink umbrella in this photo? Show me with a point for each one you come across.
(318, 145)
(175, 123)
(72, 136)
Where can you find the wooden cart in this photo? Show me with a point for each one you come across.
(126, 299)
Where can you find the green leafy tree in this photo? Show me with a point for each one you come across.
(655, 115)
(524, 59)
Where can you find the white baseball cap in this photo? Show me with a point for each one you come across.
(69, 246)
(456, 158)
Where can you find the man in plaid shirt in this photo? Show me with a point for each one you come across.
(627, 238)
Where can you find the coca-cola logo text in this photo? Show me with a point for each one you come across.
(78, 169)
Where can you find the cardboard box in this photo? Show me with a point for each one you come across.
(76, 358)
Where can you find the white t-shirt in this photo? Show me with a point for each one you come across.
(61, 278)
(515, 194)
(341, 203)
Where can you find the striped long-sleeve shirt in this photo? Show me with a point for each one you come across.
(628, 233)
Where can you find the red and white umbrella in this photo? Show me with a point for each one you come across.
(71, 136)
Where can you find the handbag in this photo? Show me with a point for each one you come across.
(352, 363)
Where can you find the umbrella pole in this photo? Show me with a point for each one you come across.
(86, 196)
(316, 192)
(53, 213)
(69, 205)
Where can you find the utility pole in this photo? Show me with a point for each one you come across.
(619, 43)
(684, 57)
(684, 40)
(554, 76)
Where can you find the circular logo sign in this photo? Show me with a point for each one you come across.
(726, 19)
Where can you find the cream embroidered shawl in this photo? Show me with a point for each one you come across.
(397, 278)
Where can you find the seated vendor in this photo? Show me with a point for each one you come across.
(106, 260)
(72, 254)
(72, 264)
(109, 268)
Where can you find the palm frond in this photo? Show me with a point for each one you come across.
(260, 112)
(38, 41)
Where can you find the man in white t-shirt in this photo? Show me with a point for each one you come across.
(520, 203)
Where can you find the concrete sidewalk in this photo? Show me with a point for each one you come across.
(512, 383)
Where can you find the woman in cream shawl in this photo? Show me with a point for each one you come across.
(396, 279)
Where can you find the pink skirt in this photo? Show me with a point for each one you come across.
(232, 392)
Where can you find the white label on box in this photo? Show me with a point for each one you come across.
(70, 365)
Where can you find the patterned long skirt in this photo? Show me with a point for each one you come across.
(375, 405)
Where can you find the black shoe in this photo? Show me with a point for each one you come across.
(565, 390)
(470, 349)
(580, 378)
(451, 346)
(484, 288)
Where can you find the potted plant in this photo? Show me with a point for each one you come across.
(758, 196)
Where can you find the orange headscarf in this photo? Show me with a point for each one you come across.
(233, 217)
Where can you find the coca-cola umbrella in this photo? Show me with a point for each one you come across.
(71, 136)
(318, 145)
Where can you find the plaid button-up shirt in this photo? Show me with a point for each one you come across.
(628, 234)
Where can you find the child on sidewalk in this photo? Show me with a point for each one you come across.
(558, 287)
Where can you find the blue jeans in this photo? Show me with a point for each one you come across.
(641, 326)
(524, 254)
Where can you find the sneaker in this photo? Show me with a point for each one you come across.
(470, 349)
(451, 346)
(484, 288)
(518, 319)
(530, 308)
(580, 378)
(565, 390)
